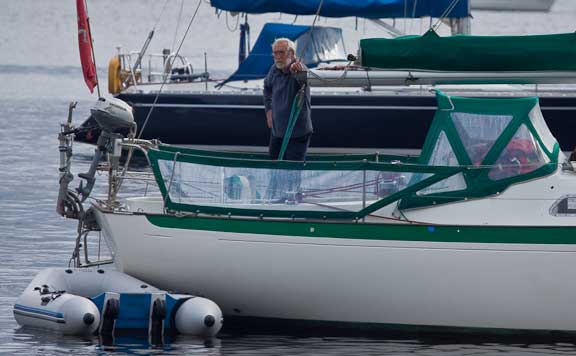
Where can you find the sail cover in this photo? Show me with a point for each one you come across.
(313, 46)
(464, 53)
(374, 9)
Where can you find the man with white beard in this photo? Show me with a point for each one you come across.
(281, 85)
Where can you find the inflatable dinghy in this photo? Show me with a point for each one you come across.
(83, 301)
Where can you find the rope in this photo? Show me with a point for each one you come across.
(235, 26)
(294, 113)
(299, 98)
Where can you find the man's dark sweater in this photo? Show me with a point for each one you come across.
(280, 88)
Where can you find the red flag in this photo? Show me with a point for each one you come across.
(85, 45)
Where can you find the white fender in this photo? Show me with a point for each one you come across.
(199, 317)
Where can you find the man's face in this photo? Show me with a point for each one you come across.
(282, 56)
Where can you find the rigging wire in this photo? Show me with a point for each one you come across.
(413, 17)
(177, 24)
(405, 15)
(161, 13)
(306, 47)
(445, 14)
(414, 8)
(171, 65)
(316, 16)
(166, 77)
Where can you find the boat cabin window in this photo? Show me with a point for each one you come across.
(479, 132)
(443, 155)
(565, 206)
(542, 128)
(521, 155)
(199, 183)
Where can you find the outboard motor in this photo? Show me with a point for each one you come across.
(111, 115)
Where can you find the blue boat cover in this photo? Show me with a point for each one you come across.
(374, 9)
(322, 44)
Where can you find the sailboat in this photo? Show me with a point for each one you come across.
(397, 107)
(191, 110)
(477, 233)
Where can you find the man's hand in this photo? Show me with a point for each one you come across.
(269, 118)
(296, 67)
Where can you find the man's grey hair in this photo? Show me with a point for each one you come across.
(291, 44)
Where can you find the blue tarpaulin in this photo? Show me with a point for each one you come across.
(350, 8)
(322, 44)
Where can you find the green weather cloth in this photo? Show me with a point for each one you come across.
(471, 53)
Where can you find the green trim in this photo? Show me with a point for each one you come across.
(372, 157)
(378, 232)
(154, 154)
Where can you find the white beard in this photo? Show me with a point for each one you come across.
(280, 65)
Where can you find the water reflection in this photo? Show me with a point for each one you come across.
(47, 343)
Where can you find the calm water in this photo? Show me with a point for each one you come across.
(39, 76)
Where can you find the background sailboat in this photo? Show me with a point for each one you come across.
(194, 113)
(512, 5)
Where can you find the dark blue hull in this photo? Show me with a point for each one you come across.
(340, 121)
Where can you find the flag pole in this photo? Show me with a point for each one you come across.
(92, 48)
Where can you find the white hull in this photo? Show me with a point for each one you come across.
(512, 5)
(504, 286)
(493, 248)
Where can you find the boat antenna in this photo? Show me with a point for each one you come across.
(92, 48)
